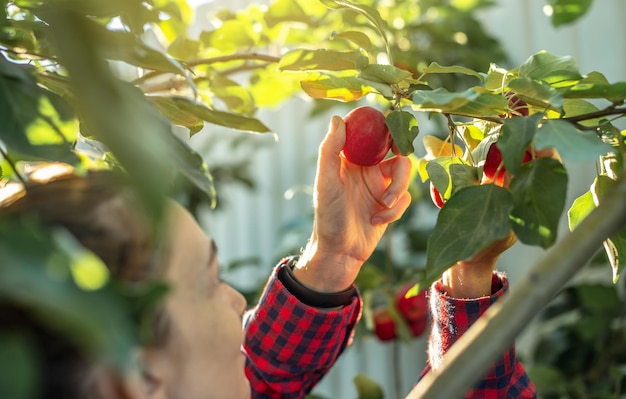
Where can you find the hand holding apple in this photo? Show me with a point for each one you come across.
(353, 205)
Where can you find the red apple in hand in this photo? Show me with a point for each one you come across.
(384, 327)
(367, 136)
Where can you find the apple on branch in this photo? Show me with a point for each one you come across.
(368, 140)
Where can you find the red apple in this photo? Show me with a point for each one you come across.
(493, 161)
(517, 106)
(418, 327)
(384, 327)
(367, 136)
(413, 308)
(436, 196)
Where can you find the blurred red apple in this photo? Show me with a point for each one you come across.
(384, 327)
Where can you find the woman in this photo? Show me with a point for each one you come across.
(303, 322)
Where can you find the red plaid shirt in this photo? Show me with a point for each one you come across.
(452, 317)
(290, 346)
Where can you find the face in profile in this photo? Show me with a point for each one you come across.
(202, 358)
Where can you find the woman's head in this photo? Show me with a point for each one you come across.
(197, 333)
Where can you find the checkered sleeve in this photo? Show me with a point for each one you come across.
(289, 346)
(452, 317)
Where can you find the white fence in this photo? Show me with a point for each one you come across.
(249, 225)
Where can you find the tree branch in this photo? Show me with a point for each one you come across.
(213, 60)
(597, 114)
(496, 330)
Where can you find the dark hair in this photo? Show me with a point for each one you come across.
(101, 211)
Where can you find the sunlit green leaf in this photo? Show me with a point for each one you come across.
(470, 102)
(555, 70)
(614, 246)
(404, 129)
(536, 93)
(285, 11)
(220, 118)
(32, 127)
(538, 192)
(460, 231)
(235, 96)
(231, 36)
(571, 143)
(581, 207)
(565, 12)
(168, 106)
(344, 88)
(384, 73)
(368, 12)
(359, 38)
(183, 48)
(321, 60)
(517, 134)
(614, 92)
(436, 68)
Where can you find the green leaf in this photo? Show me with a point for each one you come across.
(436, 68)
(220, 118)
(614, 246)
(581, 207)
(367, 388)
(368, 12)
(404, 129)
(338, 87)
(168, 107)
(321, 60)
(614, 92)
(450, 174)
(183, 48)
(537, 93)
(285, 11)
(571, 143)
(32, 125)
(471, 220)
(388, 74)
(539, 192)
(557, 71)
(236, 97)
(575, 107)
(517, 134)
(567, 11)
(470, 102)
(359, 38)
(18, 361)
(598, 298)
(35, 275)
(231, 37)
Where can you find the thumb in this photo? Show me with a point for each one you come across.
(335, 138)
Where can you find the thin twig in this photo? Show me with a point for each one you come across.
(12, 164)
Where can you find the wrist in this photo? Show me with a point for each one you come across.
(326, 272)
(468, 280)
